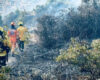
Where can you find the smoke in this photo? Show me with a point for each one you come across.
(34, 9)
(12, 5)
(29, 5)
(34, 38)
(11, 61)
(75, 3)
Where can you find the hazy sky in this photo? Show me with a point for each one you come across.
(28, 5)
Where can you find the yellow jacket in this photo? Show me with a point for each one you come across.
(22, 33)
(4, 53)
(5, 43)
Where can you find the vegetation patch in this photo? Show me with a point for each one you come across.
(83, 54)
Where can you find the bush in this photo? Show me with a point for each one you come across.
(46, 31)
(85, 22)
(2, 76)
(84, 55)
(52, 31)
(5, 73)
(5, 70)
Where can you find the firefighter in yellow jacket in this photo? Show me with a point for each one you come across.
(4, 48)
(22, 36)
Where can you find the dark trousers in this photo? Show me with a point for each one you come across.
(21, 45)
(2, 61)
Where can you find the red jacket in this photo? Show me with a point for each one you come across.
(12, 35)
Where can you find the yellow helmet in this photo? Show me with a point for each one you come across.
(1, 29)
(20, 23)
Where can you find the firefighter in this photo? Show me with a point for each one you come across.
(22, 36)
(4, 48)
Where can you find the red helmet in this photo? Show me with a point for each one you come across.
(12, 23)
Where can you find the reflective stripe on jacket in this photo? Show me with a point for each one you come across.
(3, 53)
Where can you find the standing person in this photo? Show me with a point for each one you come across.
(12, 34)
(4, 48)
(22, 36)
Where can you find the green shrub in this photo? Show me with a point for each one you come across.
(86, 56)
(2, 76)
(5, 70)
(4, 73)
